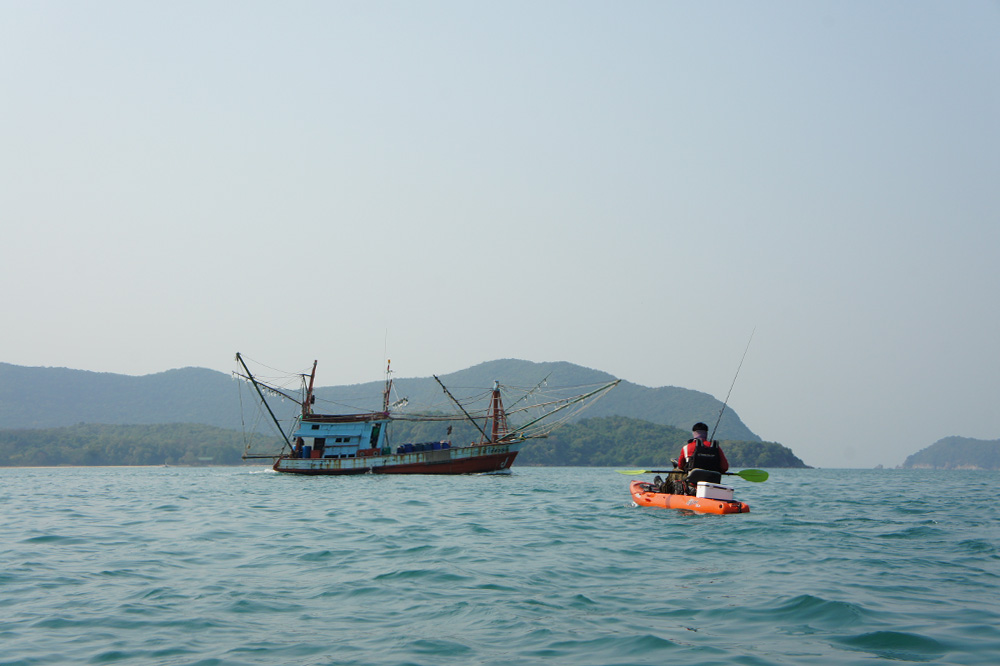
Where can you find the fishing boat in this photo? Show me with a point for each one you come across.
(361, 443)
(710, 498)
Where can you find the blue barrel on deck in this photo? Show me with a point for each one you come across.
(445, 445)
(408, 448)
(307, 451)
(436, 446)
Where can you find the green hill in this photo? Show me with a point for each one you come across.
(52, 397)
(957, 453)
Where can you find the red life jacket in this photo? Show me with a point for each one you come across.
(704, 456)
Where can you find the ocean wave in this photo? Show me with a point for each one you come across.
(897, 645)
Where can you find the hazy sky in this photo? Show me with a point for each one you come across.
(629, 186)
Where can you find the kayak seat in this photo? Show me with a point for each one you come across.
(696, 475)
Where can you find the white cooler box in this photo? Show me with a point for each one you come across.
(714, 491)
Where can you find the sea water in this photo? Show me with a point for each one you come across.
(241, 565)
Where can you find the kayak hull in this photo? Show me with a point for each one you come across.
(644, 494)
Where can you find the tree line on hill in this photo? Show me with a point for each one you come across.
(95, 444)
(604, 441)
(617, 440)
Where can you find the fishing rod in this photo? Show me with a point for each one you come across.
(719, 420)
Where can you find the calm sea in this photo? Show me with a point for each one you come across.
(236, 566)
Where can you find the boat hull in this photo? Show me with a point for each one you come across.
(476, 459)
(644, 494)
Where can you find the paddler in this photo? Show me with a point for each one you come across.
(709, 456)
(701, 453)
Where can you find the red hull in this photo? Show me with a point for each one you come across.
(453, 461)
(467, 466)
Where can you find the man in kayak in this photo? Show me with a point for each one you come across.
(699, 453)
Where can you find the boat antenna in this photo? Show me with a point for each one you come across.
(719, 420)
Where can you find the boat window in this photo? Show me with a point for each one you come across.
(315, 427)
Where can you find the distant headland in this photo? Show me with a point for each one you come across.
(957, 453)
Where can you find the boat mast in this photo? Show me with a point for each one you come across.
(310, 398)
(497, 414)
(261, 394)
(388, 386)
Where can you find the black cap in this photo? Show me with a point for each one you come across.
(699, 426)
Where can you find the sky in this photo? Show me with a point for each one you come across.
(634, 187)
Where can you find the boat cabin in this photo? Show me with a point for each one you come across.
(340, 436)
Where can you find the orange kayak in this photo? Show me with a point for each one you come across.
(645, 494)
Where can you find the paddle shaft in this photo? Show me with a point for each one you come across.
(672, 471)
(754, 475)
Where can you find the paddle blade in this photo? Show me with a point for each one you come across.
(755, 475)
(632, 472)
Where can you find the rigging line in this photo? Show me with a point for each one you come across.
(480, 393)
(601, 390)
(283, 373)
(567, 401)
(545, 428)
(462, 408)
(243, 420)
(268, 387)
(249, 435)
(719, 420)
(419, 418)
(526, 395)
(262, 399)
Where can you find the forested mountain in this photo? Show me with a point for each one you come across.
(957, 453)
(52, 397)
(604, 441)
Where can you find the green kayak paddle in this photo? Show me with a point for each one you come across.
(755, 475)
